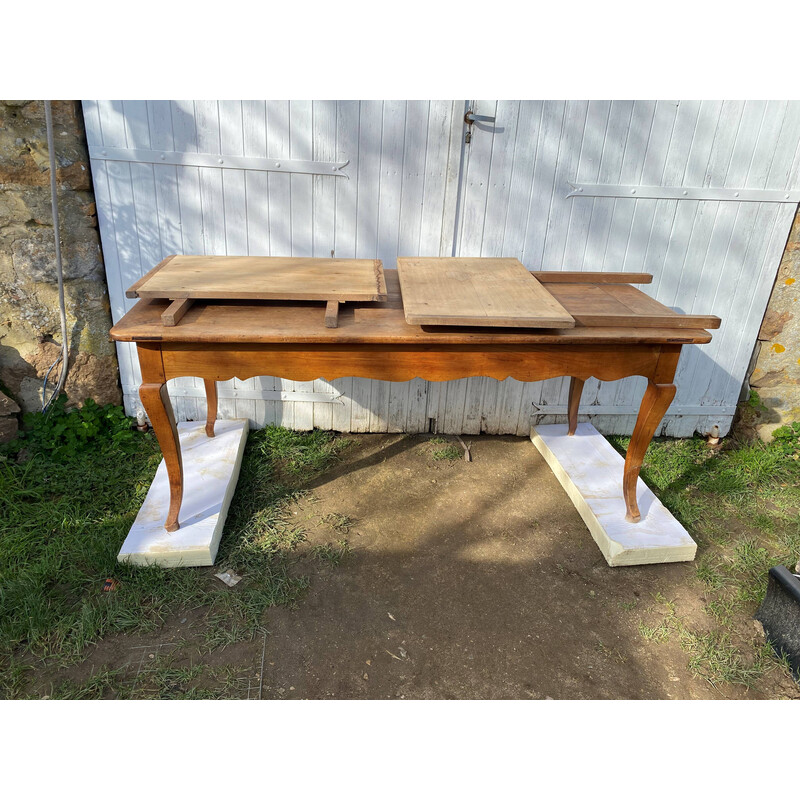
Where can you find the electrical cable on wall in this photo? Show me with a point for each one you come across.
(64, 355)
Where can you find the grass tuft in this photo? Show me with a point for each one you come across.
(331, 554)
(741, 502)
(449, 453)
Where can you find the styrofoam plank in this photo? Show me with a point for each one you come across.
(590, 470)
(210, 471)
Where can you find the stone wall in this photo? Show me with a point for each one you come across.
(30, 333)
(776, 376)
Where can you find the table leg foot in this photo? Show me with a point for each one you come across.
(211, 403)
(155, 400)
(575, 390)
(656, 401)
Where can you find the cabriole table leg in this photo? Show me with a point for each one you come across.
(159, 409)
(211, 403)
(656, 401)
(575, 390)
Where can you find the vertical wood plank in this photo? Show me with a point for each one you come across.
(280, 219)
(324, 222)
(369, 176)
(345, 218)
(301, 131)
(236, 212)
(437, 154)
(498, 179)
(256, 198)
(475, 188)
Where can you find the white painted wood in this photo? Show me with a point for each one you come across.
(277, 114)
(210, 472)
(404, 196)
(685, 193)
(143, 156)
(590, 471)
(301, 128)
(227, 391)
(256, 193)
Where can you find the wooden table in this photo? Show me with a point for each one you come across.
(220, 341)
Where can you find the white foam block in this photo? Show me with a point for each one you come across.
(210, 471)
(590, 470)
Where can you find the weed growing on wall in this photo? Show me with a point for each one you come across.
(62, 434)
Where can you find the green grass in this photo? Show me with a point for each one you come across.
(450, 452)
(741, 503)
(713, 657)
(331, 554)
(63, 519)
(444, 450)
(161, 681)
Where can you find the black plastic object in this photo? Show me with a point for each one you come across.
(780, 615)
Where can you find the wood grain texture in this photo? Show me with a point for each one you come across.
(332, 314)
(211, 405)
(575, 389)
(175, 311)
(155, 399)
(379, 323)
(656, 401)
(403, 363)
(601, 304)
(560, 276)
(224, 322)
(496, 292)
(134, 289)
(264, 278)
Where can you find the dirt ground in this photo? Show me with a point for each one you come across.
(464, 580)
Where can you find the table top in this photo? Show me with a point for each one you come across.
(262, 278)
(489, 292)
(299, 322)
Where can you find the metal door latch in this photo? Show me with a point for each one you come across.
(469, 118)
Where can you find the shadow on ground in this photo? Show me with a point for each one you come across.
(460, 580)
(474, 580)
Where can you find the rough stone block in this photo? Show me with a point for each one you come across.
(7, 406)
(8, 428)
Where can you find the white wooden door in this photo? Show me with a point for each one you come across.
(232, 177)
(707, 256)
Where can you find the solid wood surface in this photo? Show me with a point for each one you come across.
(264, 278)
(613, 305)
(561, 276)
(657, 399)
(378, 323)
(403, 363)
(494, 292)
(175, 311)
(155, 399)
(332, 314)
(575, 390)
(211, 405)
(134, 289)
